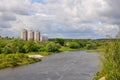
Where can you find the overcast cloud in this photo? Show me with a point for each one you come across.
(60, 18)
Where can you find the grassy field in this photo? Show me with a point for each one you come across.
(68, 49)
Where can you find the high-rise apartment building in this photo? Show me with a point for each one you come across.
(24, 34)
(30, 35)
(37, 36)
(43, 38)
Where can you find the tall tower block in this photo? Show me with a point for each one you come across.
(43, 38)
(37, 36)
(24, 34)
(30, 35)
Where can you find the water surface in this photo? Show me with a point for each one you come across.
(77, 65)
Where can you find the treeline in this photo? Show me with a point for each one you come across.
(17, 45)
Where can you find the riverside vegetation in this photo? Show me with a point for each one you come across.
(110, 61)
(14, 52)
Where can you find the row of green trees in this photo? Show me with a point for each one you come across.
(21, 46)
(18, 45)
(83, 44)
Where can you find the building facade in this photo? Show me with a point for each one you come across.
(43, 38)
(24, 34)
(30, 35)
(37, 36)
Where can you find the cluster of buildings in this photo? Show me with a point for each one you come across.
(31, 35)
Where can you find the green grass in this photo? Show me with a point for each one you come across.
(68, 49)
(13, 60)
(97, 50)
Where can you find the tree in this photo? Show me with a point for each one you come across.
(6, 50)
(31, 46)
(52, 47)
(60, 41)
(73, 45)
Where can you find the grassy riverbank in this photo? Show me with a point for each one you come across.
(110, 62)
(13, 60)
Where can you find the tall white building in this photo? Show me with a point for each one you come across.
(43, 38)
(37, 36)
(24, 34)
(30, 35)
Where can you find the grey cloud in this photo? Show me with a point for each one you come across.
(4, 25)
(21, 7)
(111, 13)
(7, 17)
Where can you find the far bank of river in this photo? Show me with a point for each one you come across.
(75, 65)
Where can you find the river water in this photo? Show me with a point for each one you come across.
(76, 65)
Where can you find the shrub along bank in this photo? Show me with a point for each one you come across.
(110, 62)
(13, 60)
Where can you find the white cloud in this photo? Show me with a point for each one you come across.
(60, 17)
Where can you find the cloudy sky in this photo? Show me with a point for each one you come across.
(60, 18)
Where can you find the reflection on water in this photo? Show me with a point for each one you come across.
(77, 65)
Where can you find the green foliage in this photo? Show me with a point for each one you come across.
(52, 47)
(6, 50)
(12, 60)
(111, 62)
(60, 41)
(0, 50)
(82, 43)
(73, 45)
(91, 46)
(31, 46)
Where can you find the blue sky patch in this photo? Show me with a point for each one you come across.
(39, 1)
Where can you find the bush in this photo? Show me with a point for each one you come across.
(111, 62)
(73, 45)
(60, 41)
(6, 50)
(91, 46)
(52, 47)
(12, 60)
(31, 46)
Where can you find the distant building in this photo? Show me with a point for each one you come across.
(43, 38)
(24, 34)
(30, 35)
(37, 36)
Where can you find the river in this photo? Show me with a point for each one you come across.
(75, 65)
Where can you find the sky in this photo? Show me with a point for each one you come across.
(81, 19)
